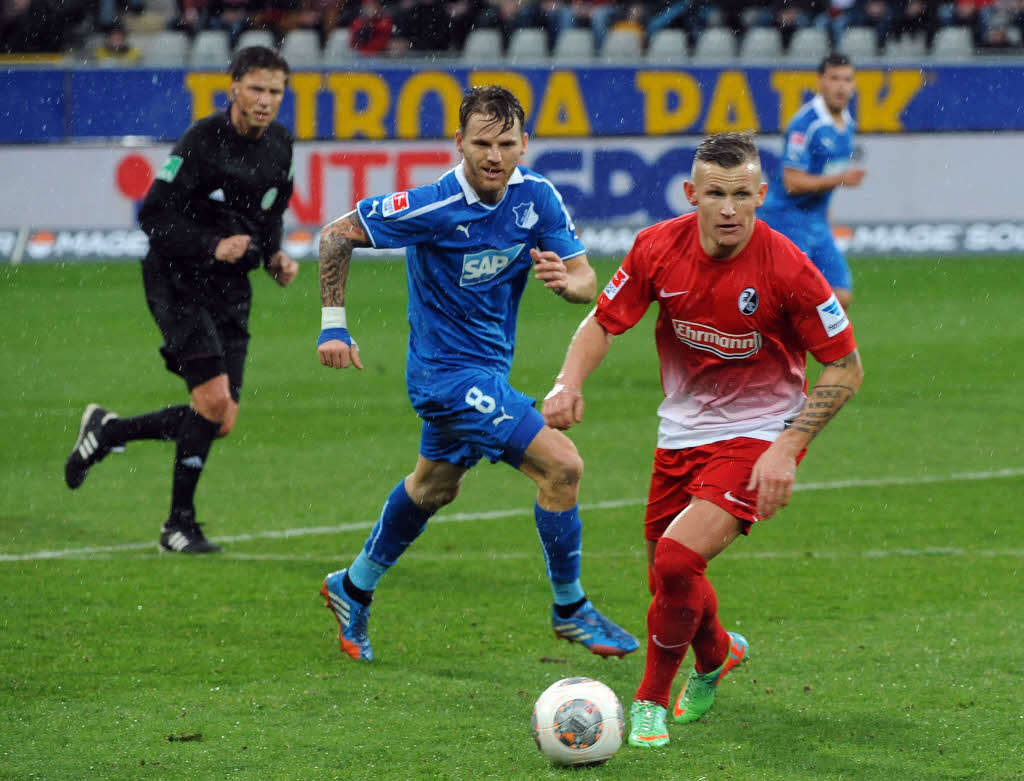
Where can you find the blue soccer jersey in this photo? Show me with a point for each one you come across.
(468, 263)
(813, 144)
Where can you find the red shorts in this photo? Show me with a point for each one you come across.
(717, 472)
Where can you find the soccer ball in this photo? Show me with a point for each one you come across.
(578, 721)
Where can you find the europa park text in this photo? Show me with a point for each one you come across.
(370, 105)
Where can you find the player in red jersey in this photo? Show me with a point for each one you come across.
(739, 308)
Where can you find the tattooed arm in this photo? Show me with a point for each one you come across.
(774, 472)
(336, 243)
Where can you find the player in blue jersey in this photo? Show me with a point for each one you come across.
(473, 240)
(817, 157)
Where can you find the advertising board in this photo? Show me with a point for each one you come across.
(421, 102)
(614, 181)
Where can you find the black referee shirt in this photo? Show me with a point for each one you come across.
(217, 183)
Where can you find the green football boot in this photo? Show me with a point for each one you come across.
(699, 695)
(647, 727)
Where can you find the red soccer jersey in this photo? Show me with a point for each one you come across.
(732, 334)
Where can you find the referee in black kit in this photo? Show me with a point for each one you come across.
(213, 214)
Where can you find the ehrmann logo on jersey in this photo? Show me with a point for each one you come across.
(724, 345)
(480, 267)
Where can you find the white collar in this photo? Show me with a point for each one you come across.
(470, 193)
(825, 115)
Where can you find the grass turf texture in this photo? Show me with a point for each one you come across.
(883, 618)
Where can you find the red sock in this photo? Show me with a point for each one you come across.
(711, 641)
(676, 613)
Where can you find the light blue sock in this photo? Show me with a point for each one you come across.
(561, 534)
(567, 593)
(364, 572)
(401, 521)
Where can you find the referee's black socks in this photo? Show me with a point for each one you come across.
(162, 424)
(194, 440)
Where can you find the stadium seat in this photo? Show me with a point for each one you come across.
(953, 43)
(301, 48)
(761, 44)
(210, 49)
(809, 44)
(755, 15)
(622, 45)
(528, 44)
(483, 45)
(859, 43)
(668, 46)
(575, 44)
(165, 48)
(256, 38)
(715, 45)
(906, 47)
(337, 50)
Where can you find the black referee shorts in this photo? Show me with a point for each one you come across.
(204, 319)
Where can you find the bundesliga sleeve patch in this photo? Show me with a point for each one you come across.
(170, 168)
(395, 203)
(832, 316)
(797, 145)
(615, 284)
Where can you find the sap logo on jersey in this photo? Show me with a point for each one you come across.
(395, 203)
(832, 316)
(484, 266)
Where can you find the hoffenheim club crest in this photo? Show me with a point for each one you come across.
(526, 215)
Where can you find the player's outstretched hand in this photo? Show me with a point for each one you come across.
(232, 248)
(283, 269)
(549, 268)
(338, 355)
(563, 407)
(773, 476)
(852, 177)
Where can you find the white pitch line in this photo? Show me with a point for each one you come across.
(524, 512)
(637, 554)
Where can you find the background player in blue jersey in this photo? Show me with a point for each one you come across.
(816, 159)
(473, 240)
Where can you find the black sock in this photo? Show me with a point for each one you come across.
(162, 424)
(194, 440)
(358, 594)
(565, 611)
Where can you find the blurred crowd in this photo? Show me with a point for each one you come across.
(394, 27)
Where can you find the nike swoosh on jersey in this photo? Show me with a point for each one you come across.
(666, 294)
(728, 495)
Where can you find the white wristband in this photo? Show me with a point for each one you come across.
(332, 317)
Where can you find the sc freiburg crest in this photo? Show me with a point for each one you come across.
(748, 301)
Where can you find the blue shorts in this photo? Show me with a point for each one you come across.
(814, 236)
(469, 414)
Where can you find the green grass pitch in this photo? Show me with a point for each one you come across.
(883, 605)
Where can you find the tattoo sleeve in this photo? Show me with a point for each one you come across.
(336, 243)
(839, 381)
